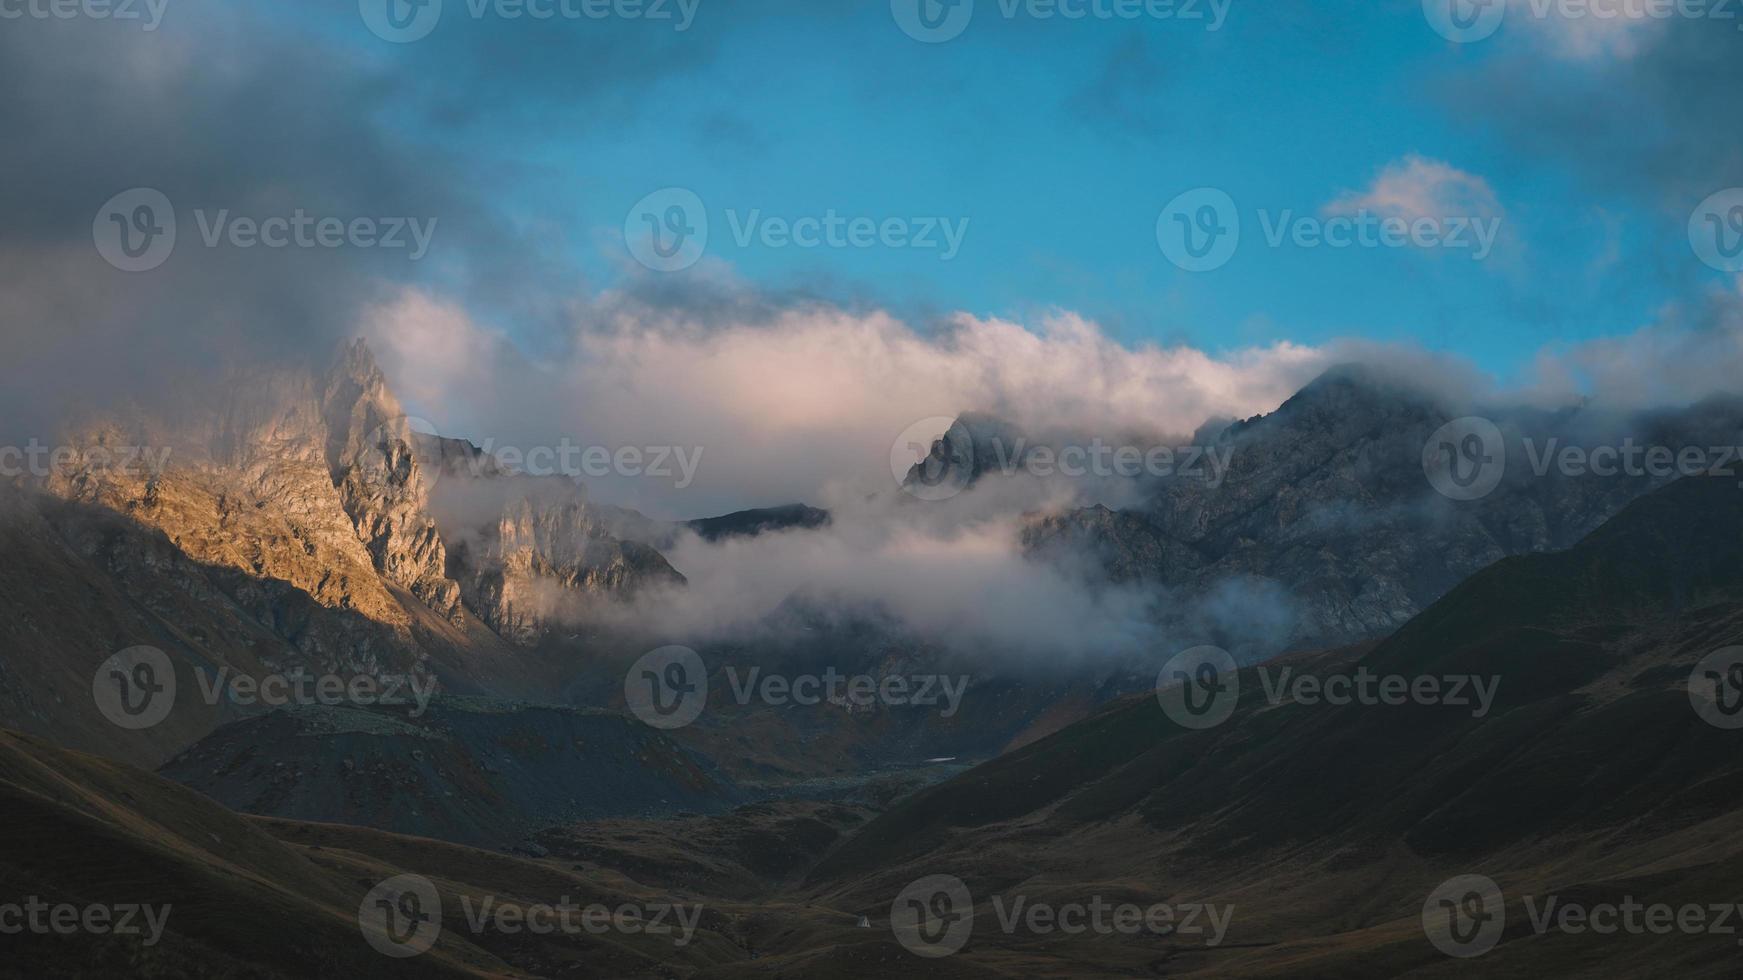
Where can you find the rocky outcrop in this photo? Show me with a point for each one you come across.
(761, 520)
(539, 553)
(974, 446)
(317, 489)
(244, 489)
(1326, 505)
(384, 482)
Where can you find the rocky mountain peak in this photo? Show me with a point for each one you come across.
(356, 363)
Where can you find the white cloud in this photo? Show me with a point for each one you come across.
(787, 404)
(1416, 188)
(803, 404)
(1684, 356)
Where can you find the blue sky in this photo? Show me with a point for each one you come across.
(1059, 142)
(1058, 148)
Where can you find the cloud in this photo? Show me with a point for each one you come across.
(966, 587)
(258, 110)
(1690, 353)
(1646, 123)
(1588, 30)
(785, 401)
(1419, 188)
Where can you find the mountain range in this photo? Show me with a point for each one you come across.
(302, 525)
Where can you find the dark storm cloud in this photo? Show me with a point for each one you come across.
(1655, 120)
(255, 110)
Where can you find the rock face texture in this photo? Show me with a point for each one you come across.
(382, 481)
(541, 553)
(1326, 529)
(246, 487)
(284, 521)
